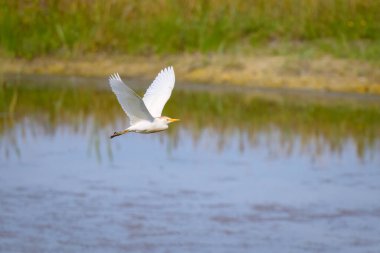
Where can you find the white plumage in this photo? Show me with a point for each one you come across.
(131, 103)
(145, 114)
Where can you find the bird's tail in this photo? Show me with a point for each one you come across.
(119, 133)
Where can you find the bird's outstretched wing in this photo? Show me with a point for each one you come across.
(131, 103)
(159, 91)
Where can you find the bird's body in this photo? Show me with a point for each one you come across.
(145, 114)
(147, 127)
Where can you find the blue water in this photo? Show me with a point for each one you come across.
(76, 191)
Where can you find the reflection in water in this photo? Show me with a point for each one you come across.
(241, 172)
(281, 123)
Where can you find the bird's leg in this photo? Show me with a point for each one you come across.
(115, 134)
(119, 133)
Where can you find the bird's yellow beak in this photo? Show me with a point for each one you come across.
(173, 120)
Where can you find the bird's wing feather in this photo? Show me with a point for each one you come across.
(131, 103)
(159, 91)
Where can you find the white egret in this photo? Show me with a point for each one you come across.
(145, 114)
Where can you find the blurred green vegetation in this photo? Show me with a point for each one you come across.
(311, 122)
(343, 28)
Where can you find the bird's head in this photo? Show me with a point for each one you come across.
(168, 120)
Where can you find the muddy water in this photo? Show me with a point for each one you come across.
(244, 171)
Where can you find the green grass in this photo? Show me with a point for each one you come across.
(343, 28)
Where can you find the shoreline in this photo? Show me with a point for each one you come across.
(278, 72)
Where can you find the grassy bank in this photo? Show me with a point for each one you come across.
(342, 28)
(331, 45)
(288, 72)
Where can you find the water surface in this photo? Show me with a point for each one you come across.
(245, 170)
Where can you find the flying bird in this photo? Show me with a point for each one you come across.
(145, 113)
